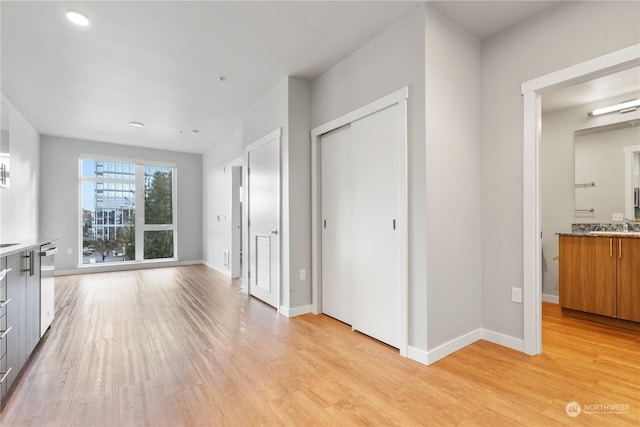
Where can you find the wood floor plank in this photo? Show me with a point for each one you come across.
(183, 346)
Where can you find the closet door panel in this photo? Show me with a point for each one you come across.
(337, 217)
(378, 168)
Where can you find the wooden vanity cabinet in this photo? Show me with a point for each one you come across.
(587, 280)
(628, 279)
(600, 275)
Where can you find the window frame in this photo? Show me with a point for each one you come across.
(140, 226)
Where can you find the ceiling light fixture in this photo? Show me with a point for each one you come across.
(137, 124)
(195, 131)
(222, 79)
(77, 18)
(623, 107)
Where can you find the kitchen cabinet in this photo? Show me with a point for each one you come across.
(4, 332)
(600, 275)
(22, 313)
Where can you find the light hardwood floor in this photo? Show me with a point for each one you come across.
(182, 346)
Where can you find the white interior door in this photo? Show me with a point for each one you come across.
(363, 223)
(337, 289)
(263, 198)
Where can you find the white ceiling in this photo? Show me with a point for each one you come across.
(159, 62)
(485, 18)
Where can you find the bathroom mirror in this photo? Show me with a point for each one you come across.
(4, 143)
(607, 172)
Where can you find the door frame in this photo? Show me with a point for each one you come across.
(397, 97)
(532, 244)
(246, 283)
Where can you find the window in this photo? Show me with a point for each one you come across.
(127, 211)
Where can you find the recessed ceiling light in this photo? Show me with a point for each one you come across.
(194, 131)
(77, 18)
(222, 79)
(137, 124)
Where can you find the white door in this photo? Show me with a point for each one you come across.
(337, 295)
(378, 174)
(363, 191)
(263, 199)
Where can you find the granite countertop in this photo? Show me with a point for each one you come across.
(628, 235)
(22, 245)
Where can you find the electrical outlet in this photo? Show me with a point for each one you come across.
(303, 274)
(69, 251)
(618, 216)
(516, 295)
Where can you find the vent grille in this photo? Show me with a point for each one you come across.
(263, 262)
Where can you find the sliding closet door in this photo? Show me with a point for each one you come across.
(363, 168)
(378, 174)
(337, 245)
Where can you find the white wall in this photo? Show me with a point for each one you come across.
(285, 107)
(567, 34)
(217, 199)
(19, 204)
(390, 61)
(454, 287)
(59, 194)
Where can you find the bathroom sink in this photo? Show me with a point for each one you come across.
(616, 233)
(6, 245)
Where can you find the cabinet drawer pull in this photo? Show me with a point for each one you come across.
(3, 303)
(4, 375)
(610, 247)
(3, 273)
(4, 333)
(619, 248)
(31, 267)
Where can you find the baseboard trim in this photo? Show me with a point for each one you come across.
(444, 350)
(218, 269)
(432, 356)
(96, 268)
(295, 311)
(555, 299)
(503, 340)
(418, 355)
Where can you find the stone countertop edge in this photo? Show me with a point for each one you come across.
(23, 245)
(600, 234)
